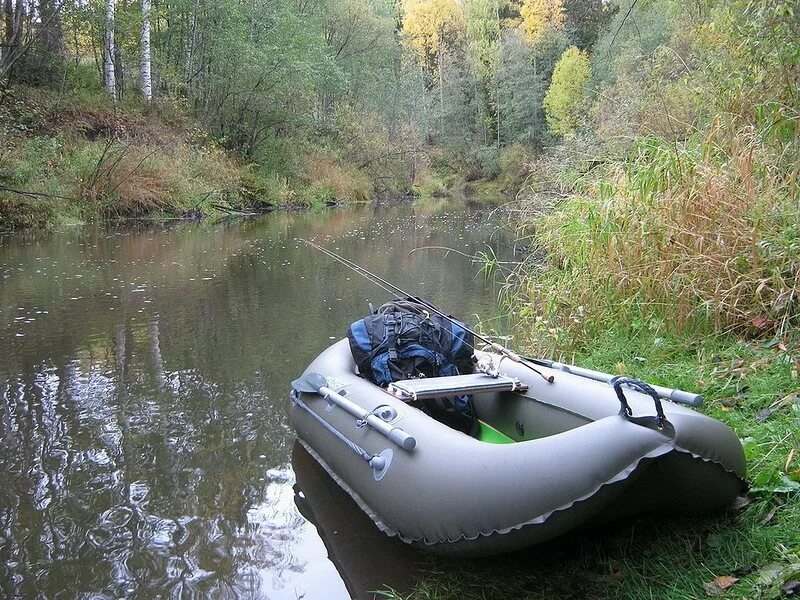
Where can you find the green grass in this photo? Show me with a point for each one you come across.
(673, 558)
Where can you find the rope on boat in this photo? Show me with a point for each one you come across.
(363, 454)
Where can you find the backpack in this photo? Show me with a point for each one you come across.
(403, 340)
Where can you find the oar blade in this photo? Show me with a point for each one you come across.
(309, 383)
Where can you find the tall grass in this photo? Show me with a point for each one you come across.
(702, 234)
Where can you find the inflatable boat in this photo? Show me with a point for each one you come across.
(551, 453)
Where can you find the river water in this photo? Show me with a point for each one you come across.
(144, 377)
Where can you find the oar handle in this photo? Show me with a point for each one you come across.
(683, 397)
(397, 435)
(679, 396)
(402, 439)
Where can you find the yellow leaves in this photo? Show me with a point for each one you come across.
(430, 26)
(537, 15)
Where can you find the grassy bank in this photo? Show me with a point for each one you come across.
(70, 157)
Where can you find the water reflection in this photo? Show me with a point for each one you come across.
(143, 380)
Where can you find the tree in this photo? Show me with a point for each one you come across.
(146, 80)
(566, 95)
(538, 15)
(483, 36)
(14, 17)
(585, 19)
(520, 91)
(108, 52)
(432, 27)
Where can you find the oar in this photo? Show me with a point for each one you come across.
(315, 383)
(678, 396)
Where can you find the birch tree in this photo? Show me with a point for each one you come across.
(108, 60)
(8, 31)
(146, 80)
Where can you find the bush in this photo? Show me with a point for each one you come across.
(329, 180)
(695, 225)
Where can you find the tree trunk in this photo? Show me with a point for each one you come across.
(146, 73)
(8, 31)
(51, 34)
(110, 73)
(15, 21)
(190, 49)
(441, 91)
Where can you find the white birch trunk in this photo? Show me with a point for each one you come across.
(111, 81)
(145, 67)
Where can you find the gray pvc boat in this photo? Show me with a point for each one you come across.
(547, 459)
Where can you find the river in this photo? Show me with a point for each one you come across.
(144, 377)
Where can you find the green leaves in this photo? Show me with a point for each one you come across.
(565, 98)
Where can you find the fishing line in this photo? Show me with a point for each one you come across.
(400, 294)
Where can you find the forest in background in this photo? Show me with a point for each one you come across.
(184, 107)
(121, 108)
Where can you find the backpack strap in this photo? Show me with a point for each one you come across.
(390, 324)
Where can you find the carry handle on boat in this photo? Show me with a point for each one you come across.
(639, 386)
(317, 383)
(679, 396)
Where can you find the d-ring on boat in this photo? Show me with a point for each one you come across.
(556, 447)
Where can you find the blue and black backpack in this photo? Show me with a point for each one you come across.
(402, 340)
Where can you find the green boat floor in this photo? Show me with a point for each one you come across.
(490, 435)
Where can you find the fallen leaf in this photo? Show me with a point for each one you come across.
(769, 574)
(719, 585)
(725, 581)
(785, 401)
(763, 415)
(769, 516)
(759, 322)
(740, 503)
(712, 589)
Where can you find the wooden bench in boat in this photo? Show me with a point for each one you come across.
(454, 385)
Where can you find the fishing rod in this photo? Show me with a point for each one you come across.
(401, 294)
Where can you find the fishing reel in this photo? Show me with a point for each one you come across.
(489, 364)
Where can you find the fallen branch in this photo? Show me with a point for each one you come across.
(35, 194)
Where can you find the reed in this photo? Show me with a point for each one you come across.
(701, 234)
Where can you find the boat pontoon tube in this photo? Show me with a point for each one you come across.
(572, 458)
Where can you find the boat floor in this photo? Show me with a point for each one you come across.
(490, 435)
